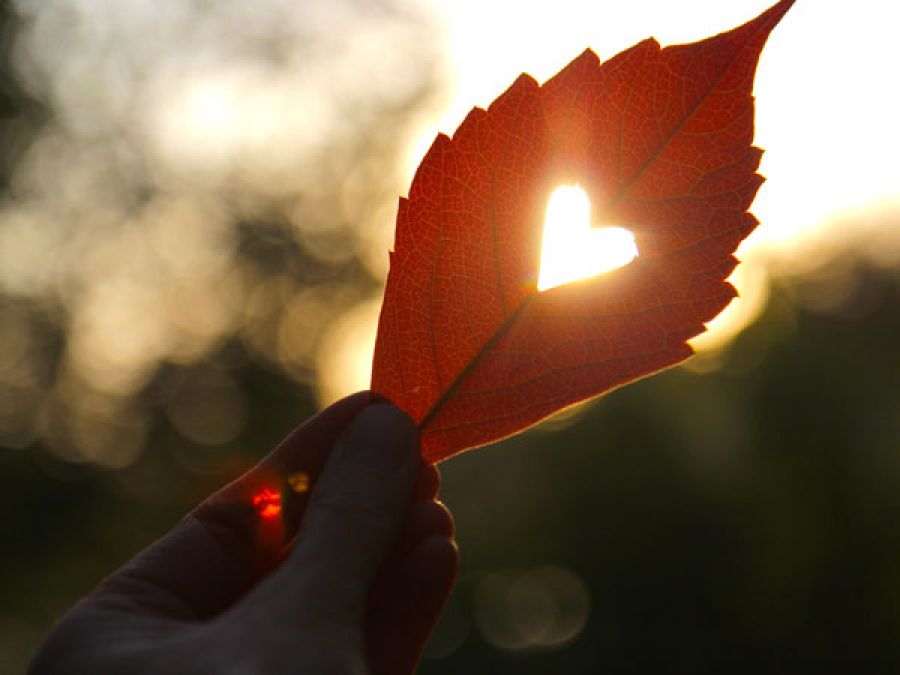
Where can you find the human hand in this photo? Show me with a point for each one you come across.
(229, 590)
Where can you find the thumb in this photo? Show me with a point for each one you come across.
(353, 518)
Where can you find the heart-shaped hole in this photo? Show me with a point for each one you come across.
(571, 248)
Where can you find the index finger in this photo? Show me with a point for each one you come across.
(226, 543)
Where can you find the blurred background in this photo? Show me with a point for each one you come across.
(196, 203)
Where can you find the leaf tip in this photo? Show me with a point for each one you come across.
(769, 18)
(776, 12)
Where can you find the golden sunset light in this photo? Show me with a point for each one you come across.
(807, 93)
(799, 118)
(572, 249)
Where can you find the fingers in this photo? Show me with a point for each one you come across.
(353, 518)
(428, 482)
(217, 552)
(406, 603)
(413, 584)
(424, 519)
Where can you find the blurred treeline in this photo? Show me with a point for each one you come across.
(737, 516)
(742, 520)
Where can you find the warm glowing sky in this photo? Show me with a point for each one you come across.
(830, 71)
(828, 95)
(172, 119)
(828, 85)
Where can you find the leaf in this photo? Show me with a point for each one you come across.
(661, 141)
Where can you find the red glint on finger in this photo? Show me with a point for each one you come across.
(267, 503)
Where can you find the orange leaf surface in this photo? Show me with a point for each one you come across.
(661, 141)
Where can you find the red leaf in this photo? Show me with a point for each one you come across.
(660, 139)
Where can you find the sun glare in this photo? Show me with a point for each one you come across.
(574, 250)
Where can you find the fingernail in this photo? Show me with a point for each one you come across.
(381, 436)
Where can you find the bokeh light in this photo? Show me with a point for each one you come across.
(193, 185)
(299, 482)
(201, 176)
(544, 607)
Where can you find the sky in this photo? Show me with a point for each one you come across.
(171, 121)
(827, 92)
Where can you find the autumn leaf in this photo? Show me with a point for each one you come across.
(661, 141)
